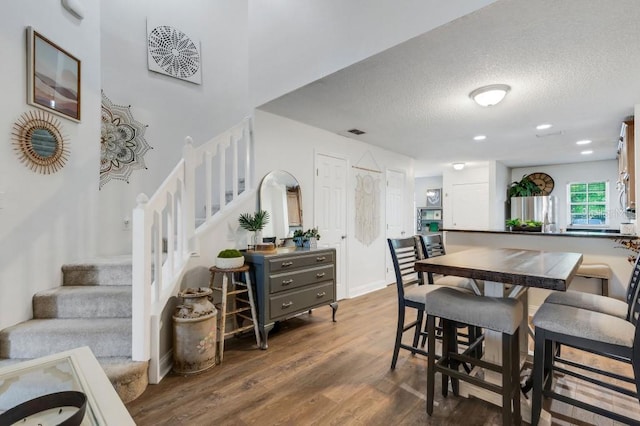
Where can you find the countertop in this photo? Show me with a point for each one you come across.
(575, 234)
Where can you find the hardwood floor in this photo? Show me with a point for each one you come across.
(317, 372)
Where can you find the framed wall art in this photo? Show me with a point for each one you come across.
(434, 197)
(53, 79)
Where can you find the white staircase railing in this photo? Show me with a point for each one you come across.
(206, 180)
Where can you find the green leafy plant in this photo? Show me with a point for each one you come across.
(312, 233)
(254, 222)
(229, 253)
(513, 222)
(298, 233)
(525, 187)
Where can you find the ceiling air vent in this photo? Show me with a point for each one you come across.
(356, 132)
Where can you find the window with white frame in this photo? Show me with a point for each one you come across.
(588, 203)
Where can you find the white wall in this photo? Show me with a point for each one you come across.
(172, 108)
(421, 186)
(563, 174)
(46, 220)
(289, 145)
(295, 42)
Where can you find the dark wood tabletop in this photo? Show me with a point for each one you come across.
(530, 268)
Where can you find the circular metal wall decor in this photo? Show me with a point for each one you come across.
(173, 53)
(39, 142)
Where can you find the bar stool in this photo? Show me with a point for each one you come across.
(499, 314)
(596, 270)
(233, 304)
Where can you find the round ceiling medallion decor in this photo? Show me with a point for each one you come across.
(174, 51)
(544, 182)
(39, 142)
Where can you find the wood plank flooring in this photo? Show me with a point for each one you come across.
(317, 372)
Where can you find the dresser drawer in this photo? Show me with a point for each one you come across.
(300, 300)
(289, 263)
(294, 279)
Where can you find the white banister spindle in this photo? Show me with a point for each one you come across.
(170, 238)
(234, 171)
(141, 275)
(189, 195)
(249, 152)
(208, 179)
(221, 175)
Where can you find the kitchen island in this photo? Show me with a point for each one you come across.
(596, 247)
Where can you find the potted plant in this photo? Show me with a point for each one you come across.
(512, 223)
(525, 187)
(306, 238)
(254, 223)
(229, 259)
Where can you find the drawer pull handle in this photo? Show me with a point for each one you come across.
(287, 304)
(323, 294)
(286, 282)
(320, 275)
(285, 264)
(321, 259)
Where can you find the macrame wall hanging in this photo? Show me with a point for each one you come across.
(122, 143)
(172, 52)
(367, 200)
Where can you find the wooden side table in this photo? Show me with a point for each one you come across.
(236, 302)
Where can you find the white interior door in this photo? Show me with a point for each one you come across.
(330, 212)
(395, 214)
(470, 206)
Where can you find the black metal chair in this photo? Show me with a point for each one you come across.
(591, 331)
(494, 313)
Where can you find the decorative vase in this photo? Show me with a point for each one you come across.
(257, 237)
(194, 332)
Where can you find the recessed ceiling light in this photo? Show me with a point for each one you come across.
(543, 126)
(458, 166)
(479, 138)
(587, 152)
(583, 142)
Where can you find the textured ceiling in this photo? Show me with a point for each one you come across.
(572, 63)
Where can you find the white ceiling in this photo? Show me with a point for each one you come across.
(572, 63)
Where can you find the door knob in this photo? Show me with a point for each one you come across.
(344, 237)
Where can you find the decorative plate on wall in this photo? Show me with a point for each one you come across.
(172, 52)
(544, 182)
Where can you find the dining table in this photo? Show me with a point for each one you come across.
(505, 272)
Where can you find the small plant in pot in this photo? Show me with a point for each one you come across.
(254, 223)
(229, 259)
(304, 238)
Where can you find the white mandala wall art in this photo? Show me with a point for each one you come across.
(172, 52)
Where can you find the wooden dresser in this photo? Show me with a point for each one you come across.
(290, 282)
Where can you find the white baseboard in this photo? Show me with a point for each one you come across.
(366, 288)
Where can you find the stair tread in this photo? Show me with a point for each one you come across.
(86, 289)
(68, 325)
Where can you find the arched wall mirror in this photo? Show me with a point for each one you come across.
(280, 195)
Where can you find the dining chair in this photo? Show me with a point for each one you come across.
(433, 246)
(501, 314)
(595, 332)
(597, 303)
(411, 293)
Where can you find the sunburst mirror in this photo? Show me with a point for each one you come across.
(39, 142)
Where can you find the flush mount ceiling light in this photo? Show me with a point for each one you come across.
(583, 142)
(543, 126)
(479, 138)
(458, 166)
(489, 95)
(587, 152)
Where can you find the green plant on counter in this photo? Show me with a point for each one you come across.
(513, 222)
(229, 253)
(254, 222)
(525, 187)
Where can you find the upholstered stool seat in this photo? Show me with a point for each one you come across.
(590, 302)
(596, 270)
(500, 314)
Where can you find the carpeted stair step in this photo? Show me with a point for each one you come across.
(107, 337)
(83, 302)
(129, 379)
(112, 271)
